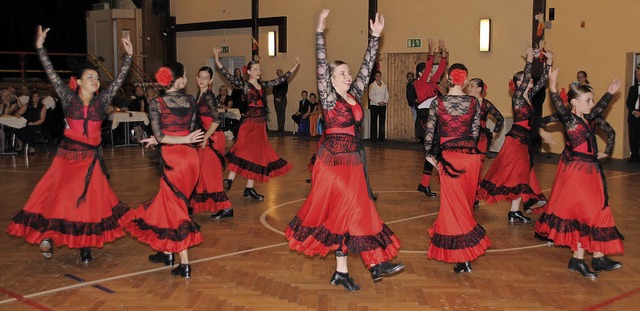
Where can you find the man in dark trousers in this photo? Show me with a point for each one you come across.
(280, 101)
(412, 101)
(633, 105)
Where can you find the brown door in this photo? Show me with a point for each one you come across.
(400, 123)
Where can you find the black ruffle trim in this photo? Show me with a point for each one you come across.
(565, 226)
(354, 244)
(74, 228)
(179, 234)
(462, 241)
(256, 168)
(215, 196)
(494, 190)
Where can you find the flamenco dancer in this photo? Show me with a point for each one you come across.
(426, 91)
(209, 194)
(339, 213)
(163, 221)
(511, 175)
(578, 214)
(73, 204)
(456, 237)
(252, 156)
(477, 88)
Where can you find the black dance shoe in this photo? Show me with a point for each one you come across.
(221, 214)
(308, 180)
(605, 263)
(183, 270)
(343, 279)
(426, 190)
(462, 267)
(518, 216)
(529, 207)
(46, 247)
(160, 257)
(250, 192)
(579, 265)
(385, 269)
(226, 184)
(85, 255)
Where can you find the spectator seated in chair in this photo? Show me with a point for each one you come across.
(302, 114)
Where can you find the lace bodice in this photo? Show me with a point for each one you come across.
(72, 104)
(455, 116)
(255, 97)
(522, 109)
(580, 134)
(207, 112)
(487, 108)
(172, 114)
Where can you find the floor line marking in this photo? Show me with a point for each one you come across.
(614, 299)
(18, 297)
(98, 286)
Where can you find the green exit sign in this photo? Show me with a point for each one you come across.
(225, 49)
(414, 43)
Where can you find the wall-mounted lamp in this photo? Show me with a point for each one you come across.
(271, 39)
(485, 34)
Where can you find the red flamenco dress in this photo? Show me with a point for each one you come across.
(511, 174)
(163, 222)
(252, 156)
(209, 195)
(578, 211)
(339, 213)
(73, 203)
(456, 237)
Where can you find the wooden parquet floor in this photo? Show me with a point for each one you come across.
(244, 263)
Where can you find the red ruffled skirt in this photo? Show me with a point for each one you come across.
(510, 176)
(53, 212)
(339, 215)
(252, 156)
(576, 212)
(455, 235)
(209, 195)
(163, 222)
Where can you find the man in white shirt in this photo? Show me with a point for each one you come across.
(378, 98)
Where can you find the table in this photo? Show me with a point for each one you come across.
(13, 122)
(126, 117)
(228, 113)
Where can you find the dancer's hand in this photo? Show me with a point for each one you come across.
(322, 22)
(40, 36)
(443, 48)
(203, 144)
(431, 45)
(553, 80)
(546, 137)
(433, 162)
(614, 86)
(128, 47)
(602, 155)
(296, 62)
(216, 52)
(528, 51)
(149, 142)
(377, 25)
(194, 137)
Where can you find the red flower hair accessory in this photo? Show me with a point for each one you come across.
(564, 96)
(164, 76)
(73, 83)
(244, 69)
(486, 87)
(512, 86)
(458, 76)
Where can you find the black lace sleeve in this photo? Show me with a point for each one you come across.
(519, 93)
(61, 88)
(358, 86)
(326, 93)
(276, 81)
(194, 114)
(600, 106)
(493, 111)
(210, 99)
(542, 82)
(237, 82)
(549, 119)
(432, 120)
(106, 96)
(563, 112)
(475, 127)
(608, 131)
(154, 118)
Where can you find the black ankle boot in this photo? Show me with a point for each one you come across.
(160, 257)
(385, 269)
(221, 214)
(46, 247)
(226, 184)
(518, 216)
(426, 190)
(605, 263)
(85, 255)
(343, 279)
(579, 265)
(462, 267)
(183, 270)
(252, 193)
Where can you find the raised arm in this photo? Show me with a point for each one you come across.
(442, 66)
(107, 96)
(563, 112)
(61, 88)
(519, 93)
(235, 81)
(605, 100)
(276, 81)
(545, 75)
(493, 111)
(358, 86)
(326, 93)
